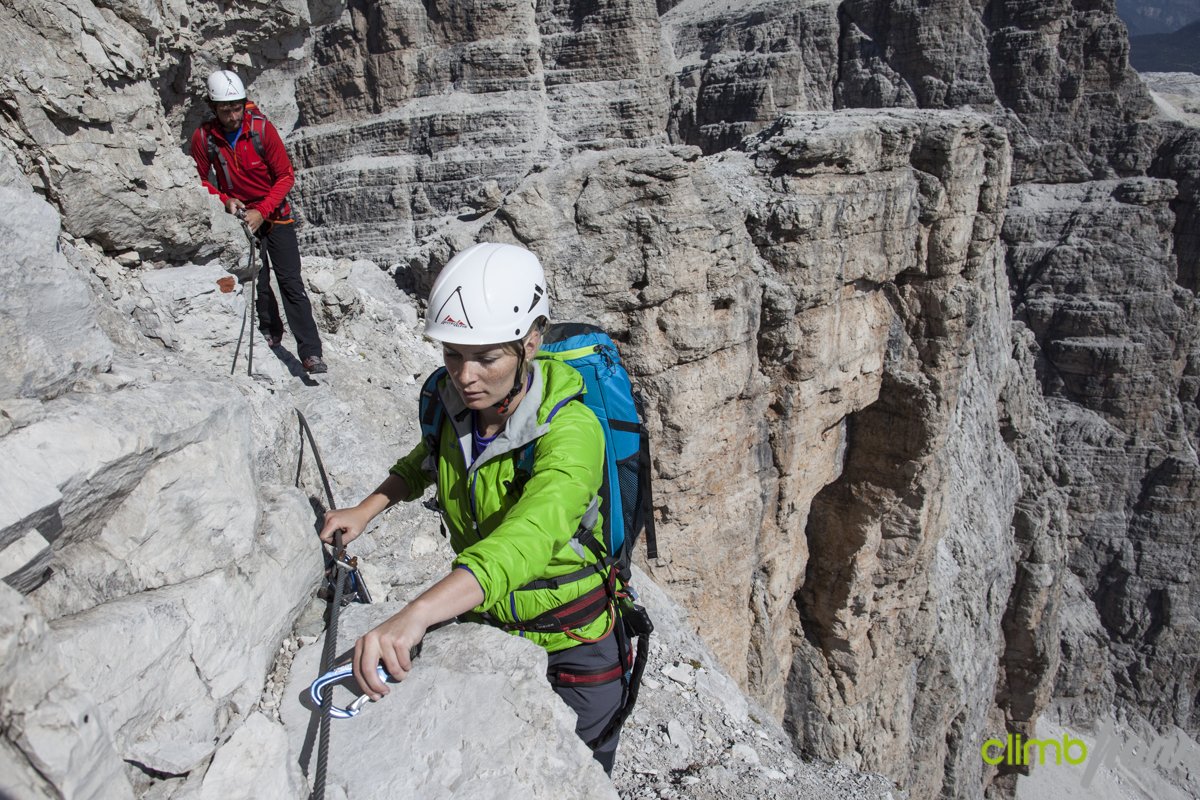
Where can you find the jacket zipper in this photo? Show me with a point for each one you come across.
(512, 596)
(512, 606)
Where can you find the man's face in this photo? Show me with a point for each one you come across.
(229, 114)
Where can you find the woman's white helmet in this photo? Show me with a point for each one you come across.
(487, 294)
(224, 86)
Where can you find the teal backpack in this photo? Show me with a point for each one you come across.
(625, 496)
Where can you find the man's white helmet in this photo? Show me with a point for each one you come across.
(487, 294)
(225, 86)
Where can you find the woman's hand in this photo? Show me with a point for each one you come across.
(350, 521)
(393, 644)
(353, 521)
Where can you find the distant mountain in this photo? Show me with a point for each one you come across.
(1145, 17)
(1167, 52)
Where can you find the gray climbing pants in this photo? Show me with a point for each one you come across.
(594, 704)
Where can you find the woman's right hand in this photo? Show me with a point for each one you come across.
(391, 644)
(350, 521)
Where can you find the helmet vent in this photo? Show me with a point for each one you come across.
(537, 296)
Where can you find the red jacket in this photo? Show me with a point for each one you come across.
(262, 183)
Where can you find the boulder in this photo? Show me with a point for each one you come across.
(475, 718)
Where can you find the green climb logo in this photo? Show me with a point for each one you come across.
(1017, 751)
(1110, 748)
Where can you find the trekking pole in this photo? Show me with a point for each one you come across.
(248, 310)
(253, 298)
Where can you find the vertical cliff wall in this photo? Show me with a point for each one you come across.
(1094, 278)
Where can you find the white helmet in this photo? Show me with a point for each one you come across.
(225, 87)
(487, 294)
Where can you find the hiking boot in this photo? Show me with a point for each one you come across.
(273, 339)
(315, 364)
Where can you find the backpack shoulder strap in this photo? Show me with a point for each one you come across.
(258, 123)
(524, 465)
(258, 127)
(431, 412)
(216, 159)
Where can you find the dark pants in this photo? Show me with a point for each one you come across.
(283, 253)
(594, 705)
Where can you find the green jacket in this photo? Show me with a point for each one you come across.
(508, 539)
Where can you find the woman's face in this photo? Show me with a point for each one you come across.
(482, 374)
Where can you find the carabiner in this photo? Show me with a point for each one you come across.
(337, 675)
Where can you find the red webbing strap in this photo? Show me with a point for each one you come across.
(569, 616)
(575, 614)
(592, 677)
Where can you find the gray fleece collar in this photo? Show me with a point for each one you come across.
(521, 429)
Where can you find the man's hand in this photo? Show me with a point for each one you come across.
(253, 219)
(251, 216)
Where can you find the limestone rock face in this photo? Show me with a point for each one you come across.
(82, 110)
(920, 198)
(56, 739)
(457, 108)
(66, 480)
(1179, 161)
(738, 65)
(462, 102)
(1066, 76)
(143, 501)
(931, 55)
(923, 384)
(473, 691)
(1060, 76)
(47, 315)
(1094, 278)
(256, 755)
(848, 267)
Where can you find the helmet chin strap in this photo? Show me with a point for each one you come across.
(518, 383)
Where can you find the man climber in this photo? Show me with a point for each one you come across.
(253, 176)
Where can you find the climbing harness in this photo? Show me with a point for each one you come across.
(635, 624)
(251, 300)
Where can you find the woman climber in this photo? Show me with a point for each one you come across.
(518, 469)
